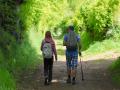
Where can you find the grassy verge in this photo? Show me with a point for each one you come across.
(93, 49)
(100, 47)
(6, 80)
(20, 57)
(115, 71)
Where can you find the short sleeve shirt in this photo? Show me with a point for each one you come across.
(66, 38)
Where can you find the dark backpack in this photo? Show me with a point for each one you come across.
(72, 41)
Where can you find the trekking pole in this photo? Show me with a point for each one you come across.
(81, 69)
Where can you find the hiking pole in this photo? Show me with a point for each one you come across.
(81, 69)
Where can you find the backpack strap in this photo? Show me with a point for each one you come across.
(46, 42)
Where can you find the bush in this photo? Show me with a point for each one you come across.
(25, 56)
(22, 56)
(98, 17)
(85, 40)
(1, 58)
(6, 80)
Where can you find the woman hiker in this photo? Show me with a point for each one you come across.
(48, 49)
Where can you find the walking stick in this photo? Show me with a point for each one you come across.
(82, 75)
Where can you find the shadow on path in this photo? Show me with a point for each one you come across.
(96, 73)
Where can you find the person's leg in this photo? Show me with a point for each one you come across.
(68, 62)
(50, 69)
(69, 75)
(74, 68)
(73, 74)
(69, 72)
(46, 71)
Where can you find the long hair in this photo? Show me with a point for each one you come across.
(48, 34)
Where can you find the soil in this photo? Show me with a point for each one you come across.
(96, 75)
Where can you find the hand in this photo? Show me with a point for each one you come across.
(80, 54)
(56, 58)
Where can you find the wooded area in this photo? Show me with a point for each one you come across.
(23, 24)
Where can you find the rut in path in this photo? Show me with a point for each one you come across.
(96, 73)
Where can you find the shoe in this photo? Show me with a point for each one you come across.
(73, 82)
(46, 81)
(49, 81)
(69, 80)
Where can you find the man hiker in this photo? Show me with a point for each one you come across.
(48, 49)
(73, 46)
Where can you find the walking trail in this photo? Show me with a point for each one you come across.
(96, 74)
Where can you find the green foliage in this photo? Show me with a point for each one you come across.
(8, 26)
(98, 17)
(95, 17)
(44, 14)
(115, 71)
(35, 38)
(1, 58)
(92, 19)
(25, 57)
(7, 21)
(100, 47)
(16, 53)
(115, 32)
(20, 57)
(85, 40)
(6, 80)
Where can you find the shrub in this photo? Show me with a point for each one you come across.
(6, 80)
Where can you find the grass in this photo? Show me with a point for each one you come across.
(59, 46)
(25, 57)
(93, 48)
(6, 80)
(112, 44)
(100, 47)
(28, 55)
(115, 71)
(20, 58)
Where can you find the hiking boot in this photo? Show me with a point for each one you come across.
(49, 81)
(73, 82)
(46, 81)
(69, 80)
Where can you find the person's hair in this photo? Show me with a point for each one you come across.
(48, 34)
(71, 28)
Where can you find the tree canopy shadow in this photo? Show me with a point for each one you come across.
(96, 74)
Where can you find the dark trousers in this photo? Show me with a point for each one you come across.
(48, 66)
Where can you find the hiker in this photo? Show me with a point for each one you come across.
(73, 46)
(48, 49)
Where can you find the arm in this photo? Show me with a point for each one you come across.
(41, 46)
(79, 46)
(65, 41)
(55, 51)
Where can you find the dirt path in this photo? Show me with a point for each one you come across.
(96, 73)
